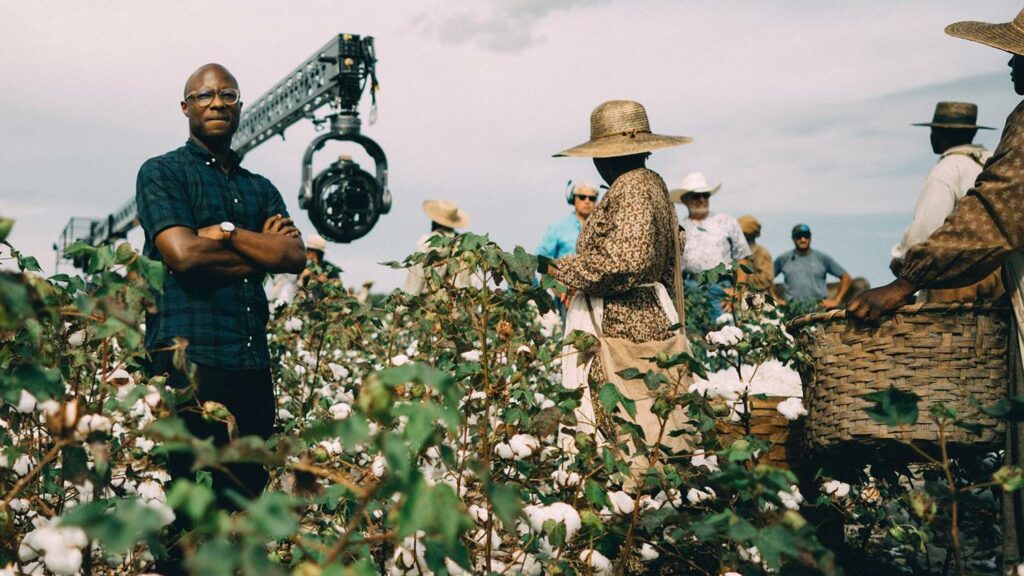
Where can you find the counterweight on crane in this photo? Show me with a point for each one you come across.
(344, 201)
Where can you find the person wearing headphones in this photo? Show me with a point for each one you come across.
(560, 238)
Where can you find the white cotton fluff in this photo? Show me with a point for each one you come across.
(26, 402)
(525, 564)
(565, 479)
(601, 564)
(622, 503)
(792, 408)
(648, 553)
(836, 488)
(144, 444)
(523, 445)
(557, 511)
(792, 499)
(120, 375)
(695, 496)
(22, 465)
(338, 371)
(77, 338)
(399, 360)
(60, 548)
(93, 423)
(700, 459)
(771, 378)
(471, 356)
(340, 411)
(503, 450)
(284, 414)
(293, 324)
(478, 513)
(726, 336)
(379, 466)
(19, 505)
(673, 497)
(1019, 570)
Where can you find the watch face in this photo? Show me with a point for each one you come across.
(227, 226)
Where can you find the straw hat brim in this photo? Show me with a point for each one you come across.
(945, 125)
(443, 217)
(1002, 36)
(622, 145)
(677, 194)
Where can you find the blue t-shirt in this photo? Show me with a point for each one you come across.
(560, 238)
(805, 274)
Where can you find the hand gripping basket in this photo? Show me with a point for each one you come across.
(942, 352)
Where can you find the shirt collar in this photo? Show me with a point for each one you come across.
(205, 157)
(964, 148)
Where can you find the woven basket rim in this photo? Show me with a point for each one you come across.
(839, 314)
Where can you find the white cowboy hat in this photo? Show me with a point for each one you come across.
(621, 128)
(694, 183)
(446, 213)
(316, 242)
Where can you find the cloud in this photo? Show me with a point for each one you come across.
(500, 25)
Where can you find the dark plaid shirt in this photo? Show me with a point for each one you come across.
(224, 320)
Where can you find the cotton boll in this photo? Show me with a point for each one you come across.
(601, 564)
(471, 356)
(792, 499)
(151, 490)
(565, 479)
(399, 360)
(725, 337)
(648, 553)
(144, 444)
(478, 513)
(19, 505)
(26, 403)
(22, 465)
(340, 411)
(836, 488)
(566, 514)
(792, 408)
(622, 503)
(707, 461)
(63, 562)
(379, 466)
(293, 324)
(525, 564)
(284, 414)
(523, 445)
(337, 371)
(76, 339)
(503, 450)
(695, 496)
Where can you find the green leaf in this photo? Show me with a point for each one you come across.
(892, 407)
(630, 374)
(505, 502)
(5, 228)
(774, 542)
(610, 397)
(596, 494)
(272, 516)
(1011, 478)
(1011, 409)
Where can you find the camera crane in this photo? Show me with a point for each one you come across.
(344, 201)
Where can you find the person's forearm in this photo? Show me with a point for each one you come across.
(844, 287)
(209, 257)
(270, 252)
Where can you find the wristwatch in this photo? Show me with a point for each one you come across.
(227, 228)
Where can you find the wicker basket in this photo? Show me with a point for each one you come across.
(941, 352)
(768, 424)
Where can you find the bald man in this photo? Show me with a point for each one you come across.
(218, 229)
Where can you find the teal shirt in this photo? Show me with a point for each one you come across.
(805, 274)
(560, 238)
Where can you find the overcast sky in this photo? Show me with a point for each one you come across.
(800, 108)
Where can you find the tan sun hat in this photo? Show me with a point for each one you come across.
(446, 213)
(316, 242)
(955, 115)
(1008, 36)
(694, 182)
(621, 128)
(749, 225)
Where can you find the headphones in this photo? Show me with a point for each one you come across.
(570, 193)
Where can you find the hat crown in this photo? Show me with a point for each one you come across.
(695, 182)
(447, 207)
(1018, 22)
(955, 113)
(618, 118)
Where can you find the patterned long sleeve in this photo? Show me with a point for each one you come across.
(617, 249)
(986, 227)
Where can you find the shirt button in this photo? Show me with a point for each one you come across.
(236, 200)
(248, 309)
(246, 280)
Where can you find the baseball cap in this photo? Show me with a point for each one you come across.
(801, 230)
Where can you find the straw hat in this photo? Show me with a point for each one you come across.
(620, 128)
(316, 242)
(446, 213)
(1008, 36)
(955, 115)
(750, 226)
(695, 182)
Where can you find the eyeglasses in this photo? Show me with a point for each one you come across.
(801, 236)
(699, 195)
(584, 198)
(204, 97)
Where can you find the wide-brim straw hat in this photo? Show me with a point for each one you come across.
(955, 115)
(1008, 36)
(446, 213)
(693, 183)
(621, 128)
(316, 242)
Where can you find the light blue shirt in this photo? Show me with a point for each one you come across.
(560, 238)
(805, 274)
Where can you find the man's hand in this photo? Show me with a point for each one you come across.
(278, 224)
(829, 303)
(871, 305)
